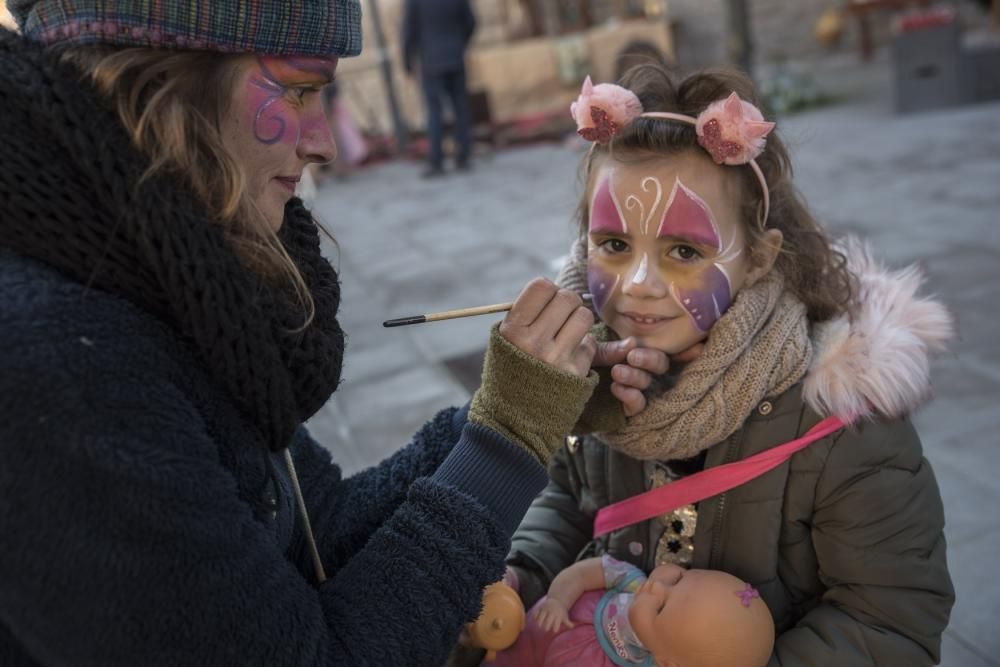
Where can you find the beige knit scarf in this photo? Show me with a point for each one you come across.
(759, 348)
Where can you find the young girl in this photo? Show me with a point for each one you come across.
(691, 232)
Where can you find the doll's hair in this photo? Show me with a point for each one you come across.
(813, 270)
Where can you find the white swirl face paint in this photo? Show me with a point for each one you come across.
(664, 269)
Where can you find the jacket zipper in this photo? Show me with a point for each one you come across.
(714, 555)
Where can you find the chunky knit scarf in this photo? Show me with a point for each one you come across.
(759, 348)
(71, 196)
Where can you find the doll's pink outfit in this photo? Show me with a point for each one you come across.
(602, 635)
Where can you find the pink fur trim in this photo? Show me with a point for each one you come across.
(879, 364)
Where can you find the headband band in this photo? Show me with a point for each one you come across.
(732, 130)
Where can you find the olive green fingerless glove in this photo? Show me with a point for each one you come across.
(532, 404)
(603, 413)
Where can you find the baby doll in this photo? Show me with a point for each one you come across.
(603, 612)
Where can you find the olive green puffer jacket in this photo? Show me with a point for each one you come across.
(844, 541)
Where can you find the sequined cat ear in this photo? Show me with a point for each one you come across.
(601, 110)
(732, 130)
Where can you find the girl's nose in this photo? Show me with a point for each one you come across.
(644, 281)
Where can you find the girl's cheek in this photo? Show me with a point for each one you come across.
(601, 284)
(706, 298)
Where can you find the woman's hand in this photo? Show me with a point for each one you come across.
(634, 367)
(552, 325)
(551, 615)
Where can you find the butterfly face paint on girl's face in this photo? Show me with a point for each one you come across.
(666, 249)
(277, 125)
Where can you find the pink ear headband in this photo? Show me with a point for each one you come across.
(732, 130)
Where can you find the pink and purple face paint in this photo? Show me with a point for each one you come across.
(687, 218)
(272, 121)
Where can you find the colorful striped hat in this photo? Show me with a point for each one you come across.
(277, 27)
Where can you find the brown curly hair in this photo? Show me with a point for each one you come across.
(813, 270)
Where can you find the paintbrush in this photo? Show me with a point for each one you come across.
(462, 312)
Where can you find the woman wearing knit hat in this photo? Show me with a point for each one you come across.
(166, 325)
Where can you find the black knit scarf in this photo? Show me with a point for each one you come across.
(70, 196)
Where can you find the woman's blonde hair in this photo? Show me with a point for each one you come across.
(172, 104)
(813, 270)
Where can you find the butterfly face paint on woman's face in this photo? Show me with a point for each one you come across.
(277, 125)
(666, 249)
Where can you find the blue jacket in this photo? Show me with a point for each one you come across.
(139, 529)
(436, 34)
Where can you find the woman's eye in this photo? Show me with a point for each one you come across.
(615, 245)
(685, 253)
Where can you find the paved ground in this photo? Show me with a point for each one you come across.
(923, 188)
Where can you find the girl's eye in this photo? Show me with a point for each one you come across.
(685, 253)
(615, 245)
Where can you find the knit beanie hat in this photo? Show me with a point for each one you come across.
(275, 27)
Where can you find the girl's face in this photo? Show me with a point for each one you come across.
(667, 252)
(276, 125)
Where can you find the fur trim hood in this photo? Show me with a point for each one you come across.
(875, 362)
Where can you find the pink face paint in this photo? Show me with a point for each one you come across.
(272, 121)
(689, 217)
(604, 215)
(264, 93)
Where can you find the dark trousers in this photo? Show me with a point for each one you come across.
(436, 86)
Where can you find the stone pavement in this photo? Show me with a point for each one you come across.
(922, 188)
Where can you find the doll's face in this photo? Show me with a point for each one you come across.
(276, 125)
(701, 617)
(666, 251)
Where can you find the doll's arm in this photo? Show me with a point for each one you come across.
(585, 575)
(575, 580)
(878, 534)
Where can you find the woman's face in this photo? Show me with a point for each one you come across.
(276, 126)
(667, 252)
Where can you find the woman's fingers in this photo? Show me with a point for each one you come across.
(633, 401)
(648, 359)
(551, 325)
(535, 296)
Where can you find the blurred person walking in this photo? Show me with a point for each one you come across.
(436, 34)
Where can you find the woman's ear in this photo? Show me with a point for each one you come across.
(765, 253)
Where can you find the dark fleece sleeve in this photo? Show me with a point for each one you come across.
(346, 512)
(125, 541)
